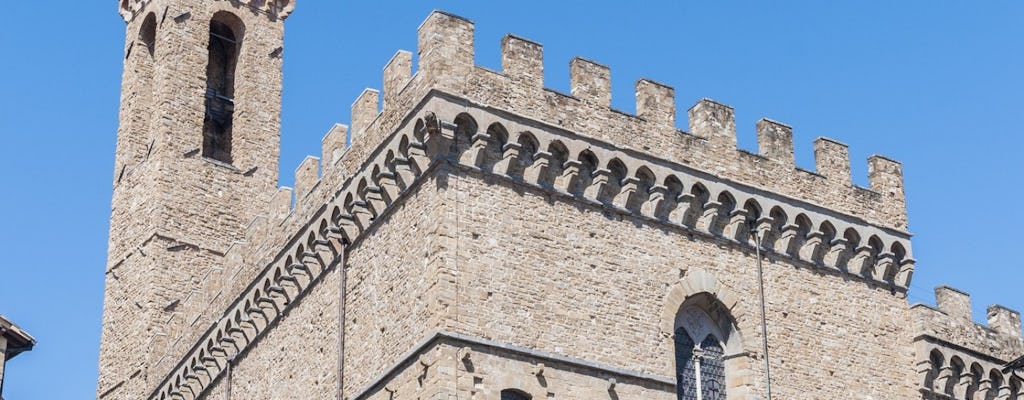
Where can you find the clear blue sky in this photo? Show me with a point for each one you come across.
(938, 85)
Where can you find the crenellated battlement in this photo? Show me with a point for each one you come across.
(452, 115)
(951, 320)
(958, 357)
(446, 55)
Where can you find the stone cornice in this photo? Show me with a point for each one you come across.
(471, 342)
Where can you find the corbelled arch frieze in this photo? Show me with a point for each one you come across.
(568, 164)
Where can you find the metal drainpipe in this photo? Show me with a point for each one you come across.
(341, 320)
(764, 323)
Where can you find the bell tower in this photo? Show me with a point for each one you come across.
(196, 161)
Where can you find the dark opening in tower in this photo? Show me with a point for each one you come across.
(225, 42)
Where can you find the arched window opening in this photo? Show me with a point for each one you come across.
(588, 164)
(976, 375)
(645, 181)
(696, 206)
(957, 370)
(512, 394)
(559, 156)
(728, 204)
(936, 361)
(779, 222)
(996, 380)
(465, 129)
(147, 35)
(753, 211)
(225, 41)
(617, 174)
(498, 136)
(527, 152)
(674, 188)
(701, 366)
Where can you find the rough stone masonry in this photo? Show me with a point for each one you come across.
(486, 237)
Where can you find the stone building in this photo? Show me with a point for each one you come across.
(485, 237)
(13, 341)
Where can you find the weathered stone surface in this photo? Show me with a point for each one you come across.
(483, 233)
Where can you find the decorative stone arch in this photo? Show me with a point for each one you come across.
(699, 290)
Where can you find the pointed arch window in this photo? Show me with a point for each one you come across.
(225, 42)
(147, 35)
(700, 354)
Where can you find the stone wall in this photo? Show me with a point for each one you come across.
(466, 234)
(174, 213)
(957, 358)
(590, 283)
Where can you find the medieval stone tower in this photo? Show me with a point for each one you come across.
(486, 237)
(197, 156)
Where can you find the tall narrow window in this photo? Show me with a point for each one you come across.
(225, 42)
(147, 35)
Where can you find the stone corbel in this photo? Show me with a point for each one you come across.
(627, 189)
(655, 200)
(538, 370)
(465, 354)
(862, 262)
(279, 290)
(374, 198)
(253, 312)
(683, 204)
(905, 273)
(387, 182)
(265, 301)
(763, 226)
(231, 339)
(346, 228)
(336, 235)
(939, 384)
(597, 184)
(313, 262)
(833, 257)
(419, 156)
(787, 239)
(570, 171)
(362, 214)
(403, 169)
(815, 241)
(983, 388)
(736, 228)
(510, 153)
(709, 217)
(1003, 392)
(960, 390)
(293, 283)
(474, 156)
(883, 266)
(541, 161)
